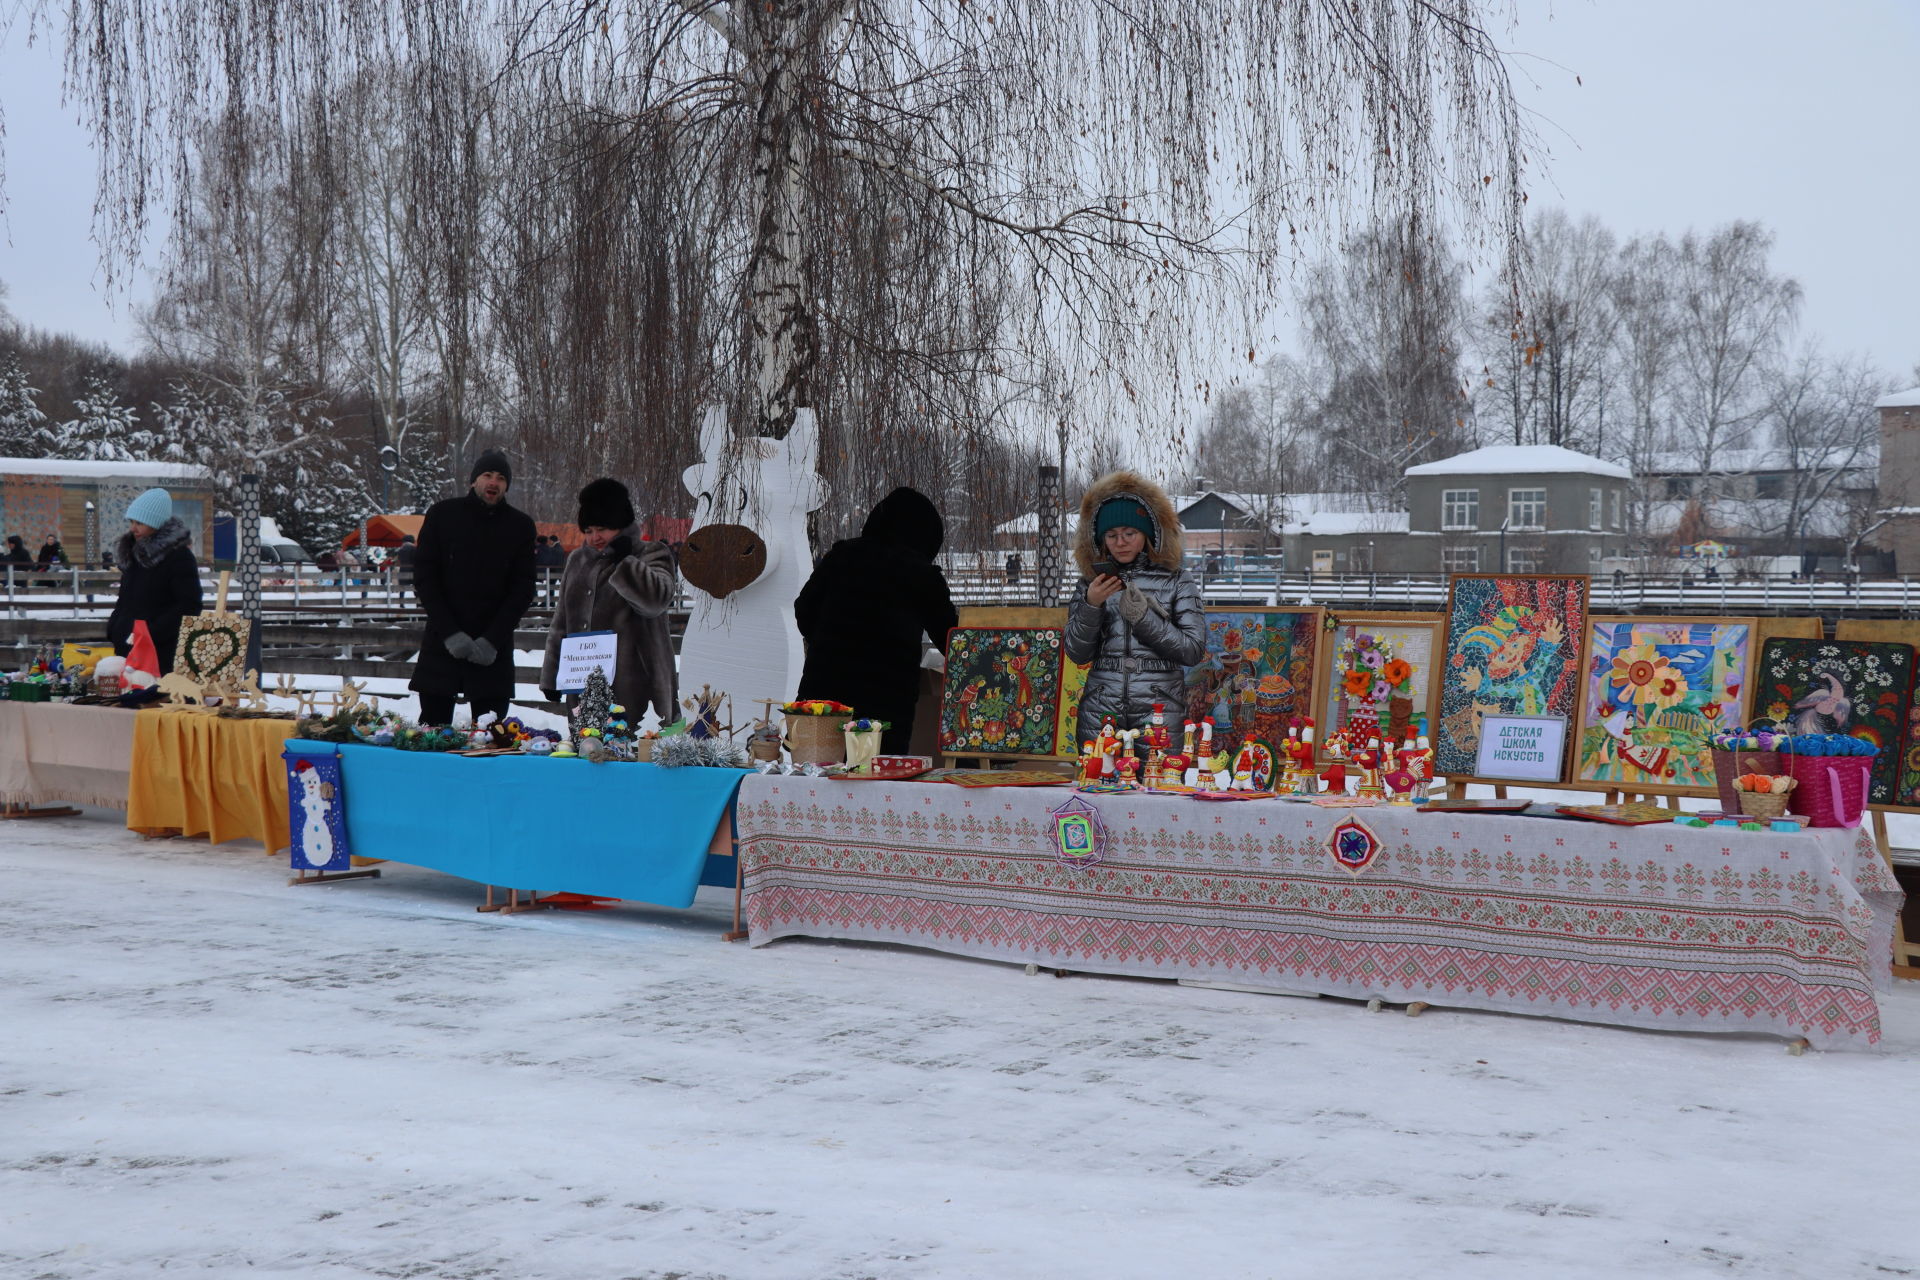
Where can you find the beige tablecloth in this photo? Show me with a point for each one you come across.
(55, 753)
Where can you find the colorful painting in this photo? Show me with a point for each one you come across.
(1073, 687)
(1382, 677)
(316, 814)
(1258, 674)
(1841, 686)
(1656, 690)
(1906, 792)
(1513, 648)
(1003, 691)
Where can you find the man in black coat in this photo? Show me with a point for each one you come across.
(865, 608)
(159, 580)
(473, 574)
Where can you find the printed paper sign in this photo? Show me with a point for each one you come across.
(1521, 748)
(580, 654)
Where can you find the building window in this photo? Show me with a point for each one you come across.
(1523, 559)
(1460, 509)
(1594, 556)
(1679, 486)
(1770, 485)
(1526, 508)
(1615, 522)
(1595, 509)
(1460, 559)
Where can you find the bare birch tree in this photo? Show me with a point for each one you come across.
(1130, 176)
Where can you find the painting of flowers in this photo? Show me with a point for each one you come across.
(1656, 691)
(1841, 686)
(1513, 648)
(1382, 678)
(1258, 675)
(1003, 691)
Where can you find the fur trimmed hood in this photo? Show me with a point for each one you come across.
(1163, 549)
(150, 549)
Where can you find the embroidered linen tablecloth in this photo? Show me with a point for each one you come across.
(1655, 926)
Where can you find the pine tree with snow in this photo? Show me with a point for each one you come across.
(20, 417)
(104, 430)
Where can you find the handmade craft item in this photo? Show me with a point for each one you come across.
(212, 649)
(1655, 693)
(1382, 674)
(1079, 836)
(862, 741)
(1003, 692)
(1857, 689)
(316, 814)
(814, 730)
(1634, 813)
(1513, 648)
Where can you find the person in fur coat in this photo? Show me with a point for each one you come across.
(616, 582)
(1136, 615)
(159, 579)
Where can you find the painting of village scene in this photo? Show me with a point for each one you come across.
(1513, 648)
(1002, 692)
(1656, 691)
(1257, 675)
(1841, 686)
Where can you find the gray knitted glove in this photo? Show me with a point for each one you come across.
(482, 652)
(460, 645)
(1133, 604)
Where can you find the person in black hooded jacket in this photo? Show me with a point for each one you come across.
(865, 608)
(159, 579)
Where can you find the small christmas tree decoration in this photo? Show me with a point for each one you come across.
(595, 708)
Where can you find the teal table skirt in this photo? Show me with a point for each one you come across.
(634, 831)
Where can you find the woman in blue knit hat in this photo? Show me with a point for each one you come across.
(159, 580)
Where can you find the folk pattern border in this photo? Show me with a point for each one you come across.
(1659, 927)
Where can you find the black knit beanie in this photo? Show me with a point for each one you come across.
(605, 503)
(491, 460)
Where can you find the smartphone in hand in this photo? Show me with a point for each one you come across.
(1101, 567)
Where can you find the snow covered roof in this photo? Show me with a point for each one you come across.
(1520, 459)
(1030, 523)
(102, 470)
(1907, 399)
(1328, 523)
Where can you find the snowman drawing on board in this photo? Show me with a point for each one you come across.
(316, 845)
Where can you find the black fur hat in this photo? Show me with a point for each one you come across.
(491, 460)
(605, 503)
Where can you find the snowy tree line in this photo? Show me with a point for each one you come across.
(1646, 350)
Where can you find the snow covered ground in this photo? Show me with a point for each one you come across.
(205, 1072)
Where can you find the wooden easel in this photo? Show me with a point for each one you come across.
(328, 877)
(1904, 953)
(29, 811)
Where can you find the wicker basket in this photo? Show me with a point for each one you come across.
(816, 739)
(1764, 804)
(763, 749)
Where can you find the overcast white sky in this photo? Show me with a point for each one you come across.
(1691, 113)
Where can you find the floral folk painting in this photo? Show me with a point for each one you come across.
(1842, 686)
(1258, 675)
(1003, 691)
(1656, 690)
(1513, 648)
(1382, 682)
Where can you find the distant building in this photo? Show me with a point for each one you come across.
(1766, 502)
(1237, 522)
(1899, 490)
(39, 496)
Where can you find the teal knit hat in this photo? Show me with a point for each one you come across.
(1124, 511)
(152, 508)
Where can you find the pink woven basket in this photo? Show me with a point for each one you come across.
(1833, 789)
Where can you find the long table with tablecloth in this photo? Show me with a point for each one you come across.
(634, 831)
(217, 776)
(1654, 926)
(54, 753)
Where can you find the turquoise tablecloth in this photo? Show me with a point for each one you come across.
(632, 831)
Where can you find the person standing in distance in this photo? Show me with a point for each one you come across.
(159, 579)
(473, 574)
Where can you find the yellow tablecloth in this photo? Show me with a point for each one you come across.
(200, 774)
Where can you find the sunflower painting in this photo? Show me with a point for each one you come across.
(1656, 691)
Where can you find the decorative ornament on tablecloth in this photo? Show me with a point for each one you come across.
(1079, 836)
(1352, 844)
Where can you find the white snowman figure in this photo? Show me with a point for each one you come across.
(316, 838)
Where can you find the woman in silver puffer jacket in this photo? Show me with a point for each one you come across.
(1142, 627)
